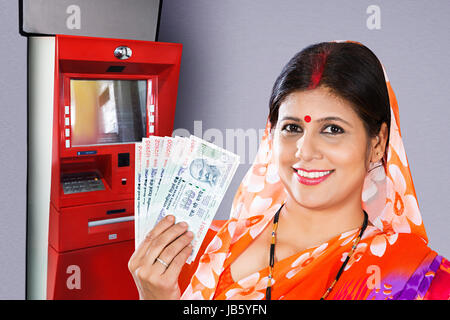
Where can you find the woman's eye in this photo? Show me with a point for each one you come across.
(291, 128)
(333, 129)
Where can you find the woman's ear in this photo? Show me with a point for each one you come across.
(379, 144)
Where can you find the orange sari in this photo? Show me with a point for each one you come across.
(392, 260)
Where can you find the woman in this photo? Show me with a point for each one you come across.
(327, 211)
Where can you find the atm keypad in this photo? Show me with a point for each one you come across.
(81, 182)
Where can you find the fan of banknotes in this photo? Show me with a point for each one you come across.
(184, 177)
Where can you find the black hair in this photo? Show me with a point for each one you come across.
(349, 70)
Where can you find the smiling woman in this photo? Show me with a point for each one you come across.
(328, 209)
(332, 153)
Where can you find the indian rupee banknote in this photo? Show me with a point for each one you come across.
(195, 179)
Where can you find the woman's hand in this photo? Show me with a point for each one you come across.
(170, 243)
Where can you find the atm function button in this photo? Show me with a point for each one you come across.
(67, 143)
(67, 121)
(151, 129)
(152, 108)
(67, 132)
(151, 119)
(67, 109)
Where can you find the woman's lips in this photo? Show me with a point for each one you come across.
(312, 177)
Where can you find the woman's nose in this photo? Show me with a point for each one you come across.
(307, 148)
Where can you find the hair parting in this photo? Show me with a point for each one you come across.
(317, 72)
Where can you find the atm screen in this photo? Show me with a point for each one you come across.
(107, 111)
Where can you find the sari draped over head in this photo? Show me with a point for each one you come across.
(392, 260)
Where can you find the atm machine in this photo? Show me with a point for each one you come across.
(90, 100)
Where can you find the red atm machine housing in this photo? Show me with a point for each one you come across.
(109, 94)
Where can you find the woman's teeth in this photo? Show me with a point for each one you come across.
(314, 174)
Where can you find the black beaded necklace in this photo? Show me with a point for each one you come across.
(341, 270)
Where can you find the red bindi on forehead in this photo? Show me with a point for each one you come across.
(307, 118)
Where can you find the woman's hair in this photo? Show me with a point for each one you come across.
(349, 70)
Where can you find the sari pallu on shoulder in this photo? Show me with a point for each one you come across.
(383, 267)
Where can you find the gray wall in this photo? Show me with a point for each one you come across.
(13, 154)
(233, 51)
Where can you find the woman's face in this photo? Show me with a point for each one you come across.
(322, 162)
